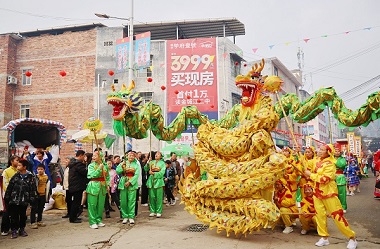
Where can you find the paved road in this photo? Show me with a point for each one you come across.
(171, 231)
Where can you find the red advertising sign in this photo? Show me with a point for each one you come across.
(192, 75)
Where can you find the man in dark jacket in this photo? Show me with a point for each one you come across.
(77, 184)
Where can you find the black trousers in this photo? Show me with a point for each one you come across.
(116, 199)
(18, 216)
(144, 194)
(5, 222)
(69, 201)
(77, 199)
(169, 194)
(137, 201)
(37, 209)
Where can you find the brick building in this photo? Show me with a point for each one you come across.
(47, 94)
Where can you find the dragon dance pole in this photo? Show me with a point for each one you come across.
(290, 129)
(330, 126)
(286, 119)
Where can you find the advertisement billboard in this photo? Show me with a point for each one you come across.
(192, 76)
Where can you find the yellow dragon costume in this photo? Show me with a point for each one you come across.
(231, 190)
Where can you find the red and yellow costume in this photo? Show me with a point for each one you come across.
(326, 196)
(286, 203)
(293, 170)
(307, 164)
(308, 219)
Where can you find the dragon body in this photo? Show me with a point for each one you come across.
(236, 156)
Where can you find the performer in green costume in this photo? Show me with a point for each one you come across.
(97, 190)
(156, 169)
(128, 185)
(340, 179)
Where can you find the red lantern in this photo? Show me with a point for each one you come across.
(188, 97)
(149, 79)
(198, 101)
(212, 106)
(111, 73)
(62, 73)
(236, 63)
(176, 92)
(163, 88)
(28, 74)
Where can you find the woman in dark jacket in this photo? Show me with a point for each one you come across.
(21, 191)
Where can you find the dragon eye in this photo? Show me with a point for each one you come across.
(124, 95)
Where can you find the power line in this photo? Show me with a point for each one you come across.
(355, 90)
(350, 57)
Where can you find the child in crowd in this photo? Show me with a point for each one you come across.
(21, 191)
(43, 187)
(169, 179)
(352, 172)
(114, 181)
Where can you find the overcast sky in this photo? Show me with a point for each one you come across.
(343, 50)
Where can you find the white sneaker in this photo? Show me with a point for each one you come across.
(94, 226)
(144, 205)
(303, 232)
(4, 233)
(173, 203)
(322, 242)
(125, 221)
(288, 230)
(167, 204)
(131, 221)
(352, 244)
(101, 224)
(158, 215)
(152, 214)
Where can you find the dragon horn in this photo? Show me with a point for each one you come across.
(113, 87)
(261, 65)
(131, 86)
(123, 87)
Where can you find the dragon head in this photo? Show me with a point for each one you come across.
(253, 83)
(124, 101)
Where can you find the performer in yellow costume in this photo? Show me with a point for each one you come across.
(308, 160)
(286, 203)
(292, 171)
(326, 197)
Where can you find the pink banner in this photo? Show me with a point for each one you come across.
(192, 75)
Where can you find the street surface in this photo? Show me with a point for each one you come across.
(171, 231)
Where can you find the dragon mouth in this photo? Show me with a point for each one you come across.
(249, 92)
(119, 108)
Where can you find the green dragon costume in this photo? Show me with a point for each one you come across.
(236, 154)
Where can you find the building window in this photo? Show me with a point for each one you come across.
(235, 99)
(146, 72)
(26, 81)
(147, 96)
(275, 71)
(24, 111)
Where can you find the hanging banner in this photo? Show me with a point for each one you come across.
(308, 141)
(358, 145)
(192, 76)
(141, 52)
(122, 54)
(351, 142)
